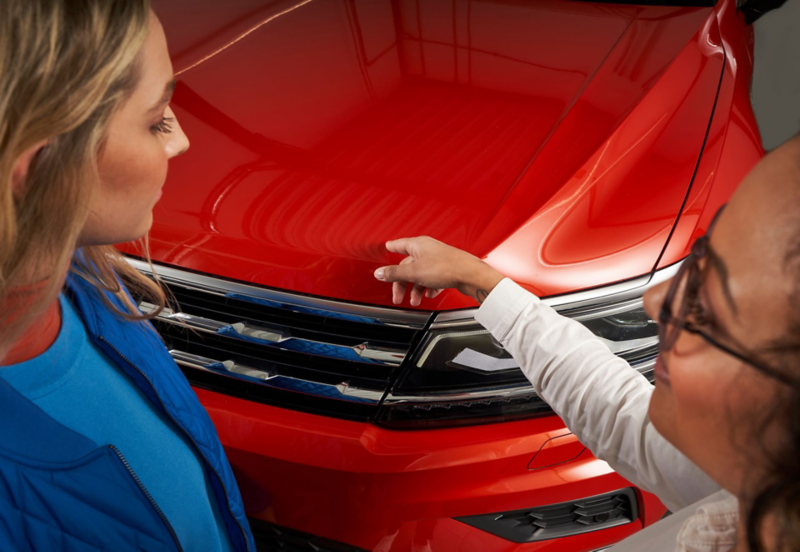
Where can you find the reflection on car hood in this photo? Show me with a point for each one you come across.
(557, 139)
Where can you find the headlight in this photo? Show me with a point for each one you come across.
(461, 375)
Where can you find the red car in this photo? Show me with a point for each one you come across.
(578, 147)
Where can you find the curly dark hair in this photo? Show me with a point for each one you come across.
(778, 497)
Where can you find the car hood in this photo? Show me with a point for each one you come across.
(555, 139)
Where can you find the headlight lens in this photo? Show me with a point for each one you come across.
(625, 329)
(463, 376)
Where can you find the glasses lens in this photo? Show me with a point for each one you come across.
(675, 305)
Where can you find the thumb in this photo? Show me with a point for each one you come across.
(396, 273)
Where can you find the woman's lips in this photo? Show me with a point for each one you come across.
(660, 371)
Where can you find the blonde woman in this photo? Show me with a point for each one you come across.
(718, 438)
(103, 444)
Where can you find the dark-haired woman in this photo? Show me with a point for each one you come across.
(718, 438)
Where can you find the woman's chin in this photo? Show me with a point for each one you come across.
(141, 230)
(659, 410)
(96, 234)
(660, 372)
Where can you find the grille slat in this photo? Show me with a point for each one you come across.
(274, 538)
(274, 336)
(289, 363)
(303, 321)
(560, 520)
(272, 346)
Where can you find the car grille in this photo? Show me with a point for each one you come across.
(306, 353)
(560, 520)
(274, 538)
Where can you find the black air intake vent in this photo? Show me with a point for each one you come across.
(560, 520)
(274, 538)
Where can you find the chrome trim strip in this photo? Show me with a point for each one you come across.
(645, 367)
(209, 284)
(227, 367)
(273, 338)
(194, 322)
(608, 296)
(343, 391)
(615, 293)
(432, 345)
(495, 394)
(630, 346)
(601, 311)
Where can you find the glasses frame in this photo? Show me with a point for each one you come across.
(671, 325)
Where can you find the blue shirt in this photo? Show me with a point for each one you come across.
(77, 385)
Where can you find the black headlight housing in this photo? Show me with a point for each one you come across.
(461, 375)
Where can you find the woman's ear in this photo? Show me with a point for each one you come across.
(22, 165)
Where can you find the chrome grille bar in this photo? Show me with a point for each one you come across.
(226, 366)
(291, 302)
(363, 352)
(343, 391)
(333, 353)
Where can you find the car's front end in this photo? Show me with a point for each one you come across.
(577, 147)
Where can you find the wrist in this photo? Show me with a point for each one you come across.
(480, 282)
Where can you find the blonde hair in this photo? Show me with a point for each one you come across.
(66, 66)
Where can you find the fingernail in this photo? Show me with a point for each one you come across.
(379, 274)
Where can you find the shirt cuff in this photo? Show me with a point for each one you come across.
(503, 306)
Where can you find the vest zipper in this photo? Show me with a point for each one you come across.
(179, 426)
(149, 496)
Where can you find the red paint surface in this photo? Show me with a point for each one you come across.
(556, 139)
(733, 146)
(557, 450)
(389, 490)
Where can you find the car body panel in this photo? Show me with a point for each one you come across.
(497, 131)
(612, 217)
(381, 489)
(733, 145)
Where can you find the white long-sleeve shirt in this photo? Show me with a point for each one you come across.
(604, 402)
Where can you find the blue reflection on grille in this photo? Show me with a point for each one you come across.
(217, 367)
(255, 300)
(304, 310)
(230, 331)
(291, 384)
(302, 346)
(316, 389)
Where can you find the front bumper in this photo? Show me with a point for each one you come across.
(385, 490)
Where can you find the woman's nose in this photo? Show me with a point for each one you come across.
(177, 141)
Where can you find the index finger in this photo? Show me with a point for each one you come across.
(402, 246)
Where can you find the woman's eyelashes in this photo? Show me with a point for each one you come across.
(164, 125)
(702, 316)
(697, 299)
(699, 314)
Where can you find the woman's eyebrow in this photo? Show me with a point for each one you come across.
(165, 97)
(722, 270)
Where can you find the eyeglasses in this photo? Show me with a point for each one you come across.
(688, 280)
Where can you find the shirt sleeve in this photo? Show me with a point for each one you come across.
(600, 398)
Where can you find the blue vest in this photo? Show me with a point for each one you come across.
(60, 491)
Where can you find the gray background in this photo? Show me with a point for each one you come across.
(776, 77)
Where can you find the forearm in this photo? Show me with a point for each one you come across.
(599, 397)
